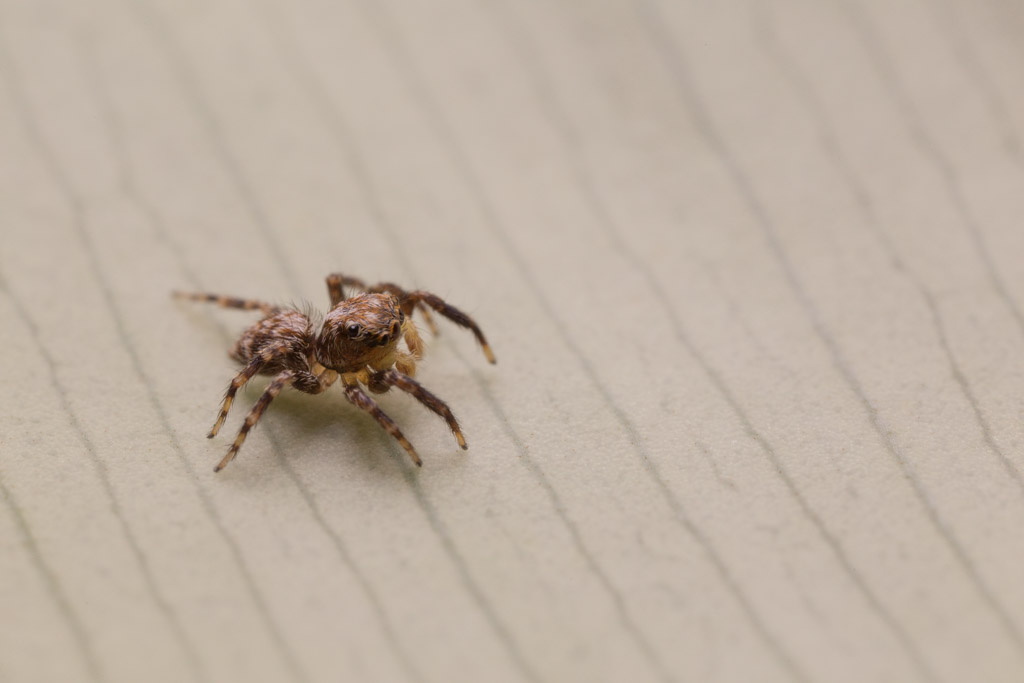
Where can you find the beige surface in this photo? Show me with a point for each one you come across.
(752, 271)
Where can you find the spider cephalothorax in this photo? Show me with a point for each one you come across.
(358, 341)
(362, 331)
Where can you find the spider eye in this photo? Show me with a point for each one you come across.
(353, 331)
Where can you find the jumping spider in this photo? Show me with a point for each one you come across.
(357, 341)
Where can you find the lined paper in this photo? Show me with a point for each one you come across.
(750, 270)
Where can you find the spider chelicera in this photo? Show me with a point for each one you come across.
(358, 342)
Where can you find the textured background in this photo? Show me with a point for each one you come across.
(751, 269)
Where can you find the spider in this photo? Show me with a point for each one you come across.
(358, 341)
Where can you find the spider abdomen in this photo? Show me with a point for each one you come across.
(288, 332)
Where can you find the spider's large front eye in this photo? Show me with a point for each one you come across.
(353, 331)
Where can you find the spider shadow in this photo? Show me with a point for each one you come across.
(333, 428)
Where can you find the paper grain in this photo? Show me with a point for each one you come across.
(751, 271)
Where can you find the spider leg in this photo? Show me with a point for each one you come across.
(447, 310)
(393, 378)
(251, 369)
(359, 398)
(240, 380)
(228, 301)
(402, 294)
(310, 383)
(254, 416)
(336, 283)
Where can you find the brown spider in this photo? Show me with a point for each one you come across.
(358, 341)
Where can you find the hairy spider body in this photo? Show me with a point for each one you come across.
(358, 342)
(288, 331)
